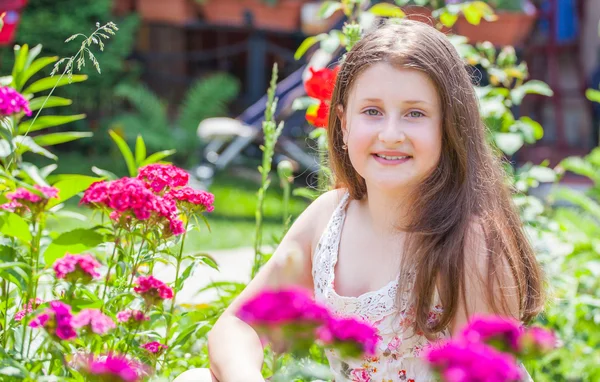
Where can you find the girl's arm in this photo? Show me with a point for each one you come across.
(476, 300)
(235, 350)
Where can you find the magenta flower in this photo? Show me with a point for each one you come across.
(154, 347)
(537, 341)
(75, 267)
(500, 332)
(152, 290)
(56, 320)
(351, 336)
(21, 199)
(130, 197)
(158, 177)
(97, 321)
(277, 307)
(113, 368)
(192, 199)
(12, 102)
(460, 361)
(131, 316)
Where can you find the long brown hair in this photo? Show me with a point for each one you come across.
(468, 185)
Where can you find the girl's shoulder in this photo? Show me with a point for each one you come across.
(319, 212)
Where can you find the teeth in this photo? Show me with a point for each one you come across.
(391, 158)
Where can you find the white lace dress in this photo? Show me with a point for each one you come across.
(398, 353)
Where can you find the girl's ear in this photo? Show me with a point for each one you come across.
(339, 110)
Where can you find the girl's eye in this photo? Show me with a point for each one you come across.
(372, 112)
(416, 114)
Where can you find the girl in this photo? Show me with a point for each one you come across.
(420, 232)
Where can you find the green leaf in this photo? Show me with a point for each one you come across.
(186, 333)
(593, 95)
(25, 143)
(157, 157)
(579, 199)
(538, 130)
(509, 143)
(581, 167)
(33, 53)
(305, 192)
(530, 87)
(104, 173)
(75, 241)
(307, 43)
(386, 10)
(36, 103)
(331, 42)
(328, 8)
(184, 276)
(542, 174)
(34, 173)
(208, 260)
(58, 138)
(47, 121)
(125, 151)
(71, 186)
(448, 19)
(51, 82)
(15, 226)
(35, 67)
(140, 150)
(6, 80)
(472, 14)
(18, 67)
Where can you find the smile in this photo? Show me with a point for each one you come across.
(391, 159)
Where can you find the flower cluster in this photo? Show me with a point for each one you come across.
(30, 307)
(470, 362)
(320, 86)
(350, 336)
(12, 102)
(131, 316)
(153, 197)
(113, 368)
(22, 199)
(97, 321)
(486, 350)
(152, 290)
(75, 267)
(57, 320)
(155, 348)
(292, 316)
(192, 199)
(158, 177)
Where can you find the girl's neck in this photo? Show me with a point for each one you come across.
(385, 211)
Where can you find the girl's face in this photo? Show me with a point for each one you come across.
(392, 126)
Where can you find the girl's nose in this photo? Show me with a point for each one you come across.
(392, 132)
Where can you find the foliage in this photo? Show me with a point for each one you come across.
(206, 98)
(48, 22)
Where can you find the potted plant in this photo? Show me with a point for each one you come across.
(172, 11)
(513, 22)
(281, 15)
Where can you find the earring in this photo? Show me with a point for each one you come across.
(345, 147)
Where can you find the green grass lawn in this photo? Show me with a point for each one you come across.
(232, 223)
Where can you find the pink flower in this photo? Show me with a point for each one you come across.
(57, 320)
(131, 316)
(352, 336)
(537, 341)
(30, 307)
(461, 361)
(152, 290)
(130, 197)
(98, 321)
(154, 347)
(14, 207)
(75, 267)
(12, 102)
(158, 177)
(502, 332)
(360, 375)
(395, 343)
(114, 368)
(278, 307)
(193, 199)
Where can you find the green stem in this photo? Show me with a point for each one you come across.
(322, 177)
(6, 292)
(172, 308)
(110, 265)
(32, 285)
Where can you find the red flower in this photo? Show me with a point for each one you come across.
(318, 116)
(320, 85)
(152, 290)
